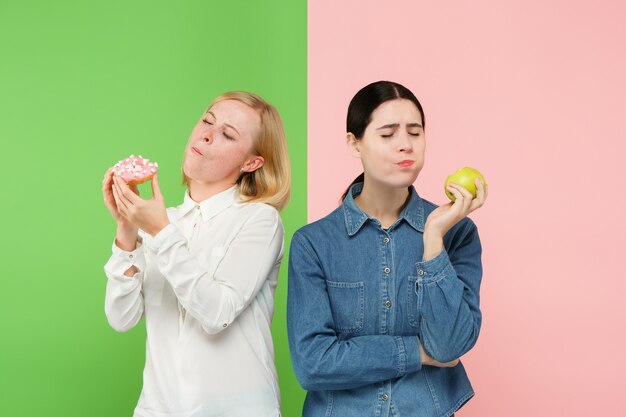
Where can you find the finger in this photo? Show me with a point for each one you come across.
(107, 174)
(120, 193)
(106, 181)
(452, 364)
(480, 189)
(481, 196)
(134, 189)
(107, 185)
(128, 193)
(458, 202)
(125, 193)
(467, 196)
(156, 189)
(121, 206)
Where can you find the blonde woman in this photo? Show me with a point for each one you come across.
(203, 274)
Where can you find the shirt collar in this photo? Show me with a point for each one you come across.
(210, 207)
(413, 212)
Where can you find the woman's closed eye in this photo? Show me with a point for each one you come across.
(388, 135)
(206, 122)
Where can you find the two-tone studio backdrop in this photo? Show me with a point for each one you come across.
(531, 93)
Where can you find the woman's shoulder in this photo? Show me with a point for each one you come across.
(323, 227)
(256, 210)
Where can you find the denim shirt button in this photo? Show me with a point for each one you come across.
(385, 397)
(421, 272)
(386, 240)
(388, 303)
(387, 270)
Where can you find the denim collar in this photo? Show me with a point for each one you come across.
(413, 212)
(212, 205)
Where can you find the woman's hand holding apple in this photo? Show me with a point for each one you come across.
(444, 217)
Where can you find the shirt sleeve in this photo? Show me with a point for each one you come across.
(123, 303)
(323, 361)
(449, 286)
(217, 298)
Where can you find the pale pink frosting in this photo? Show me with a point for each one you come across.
(135, 169)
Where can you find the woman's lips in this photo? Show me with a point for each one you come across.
(196, 150)
(406, 163)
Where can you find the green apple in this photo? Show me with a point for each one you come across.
(465, 178)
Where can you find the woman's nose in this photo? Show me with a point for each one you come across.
(405, 146)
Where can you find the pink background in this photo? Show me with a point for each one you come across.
(533, 94)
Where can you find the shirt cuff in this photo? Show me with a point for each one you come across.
(427, 271)
(122, 260)
(413, 355)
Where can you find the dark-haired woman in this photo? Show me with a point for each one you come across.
(384, 291)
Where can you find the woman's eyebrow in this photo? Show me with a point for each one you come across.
(389, 126)
(396, 125)
(226, 124)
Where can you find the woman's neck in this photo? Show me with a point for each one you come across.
(382, 202)
(200, 191)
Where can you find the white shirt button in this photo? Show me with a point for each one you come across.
(386, 240)
(388, 303)
(384, 397)
(387, 270)
(421, 272)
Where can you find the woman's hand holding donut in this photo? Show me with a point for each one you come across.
(126, 234)
(109, 201)
(444, 217)
(149, 215)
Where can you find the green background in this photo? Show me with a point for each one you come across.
(82, 85)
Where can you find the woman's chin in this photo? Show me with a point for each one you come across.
(399, 181)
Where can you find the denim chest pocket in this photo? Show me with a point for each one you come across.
(347, 302)
(413, 302)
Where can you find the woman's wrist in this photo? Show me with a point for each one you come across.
(154, 230)
(433, 244)
(126, 238)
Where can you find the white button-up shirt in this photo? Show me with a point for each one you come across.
(206, 288)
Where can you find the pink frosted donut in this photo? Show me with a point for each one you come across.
(135, 170)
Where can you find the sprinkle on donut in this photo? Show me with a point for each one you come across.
(135, 169)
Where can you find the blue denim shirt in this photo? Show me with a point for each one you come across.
(359, 299)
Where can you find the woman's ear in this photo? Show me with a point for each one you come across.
(253, 164)
(353, 145)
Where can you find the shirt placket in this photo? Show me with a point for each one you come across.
(387, 289)
(386, 282)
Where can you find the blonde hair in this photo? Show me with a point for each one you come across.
(270, 184)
